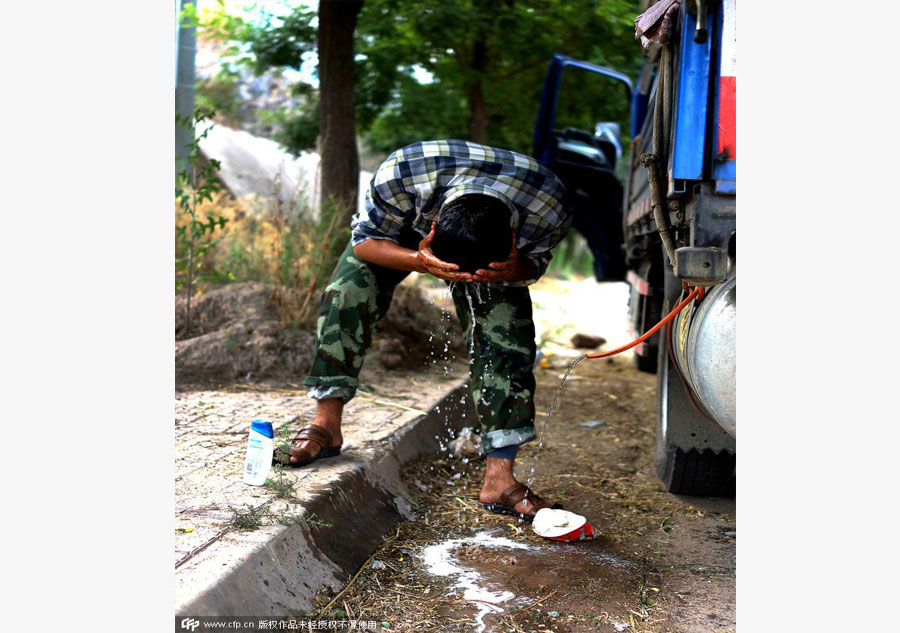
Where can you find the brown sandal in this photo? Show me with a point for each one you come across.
(512, 496)
(315, 434)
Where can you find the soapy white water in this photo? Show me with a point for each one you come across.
(440, 561)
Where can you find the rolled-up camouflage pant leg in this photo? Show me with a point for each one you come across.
(358, 295)
(502, 360)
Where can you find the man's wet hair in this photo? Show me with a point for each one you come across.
(473, 231)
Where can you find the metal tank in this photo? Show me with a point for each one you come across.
(705, 348)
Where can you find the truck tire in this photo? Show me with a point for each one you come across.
(694, 455)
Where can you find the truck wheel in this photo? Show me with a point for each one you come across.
(694, 455)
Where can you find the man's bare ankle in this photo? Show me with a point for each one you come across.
(329, 413)
(498, 482)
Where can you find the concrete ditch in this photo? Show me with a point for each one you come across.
(355, 500)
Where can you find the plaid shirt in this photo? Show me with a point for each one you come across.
(411, 186)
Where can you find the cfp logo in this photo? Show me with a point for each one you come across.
(190, 624)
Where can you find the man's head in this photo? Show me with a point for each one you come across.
(473, 231)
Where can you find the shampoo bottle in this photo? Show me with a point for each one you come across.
(260, 449)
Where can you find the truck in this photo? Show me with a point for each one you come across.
(662, 217)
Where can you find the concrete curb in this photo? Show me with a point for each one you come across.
(278, 570)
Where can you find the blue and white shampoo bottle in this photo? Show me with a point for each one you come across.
(260, 449)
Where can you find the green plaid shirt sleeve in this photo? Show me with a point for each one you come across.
(412, 184)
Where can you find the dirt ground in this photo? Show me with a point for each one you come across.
(662, 563)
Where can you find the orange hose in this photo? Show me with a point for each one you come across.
(697, 293)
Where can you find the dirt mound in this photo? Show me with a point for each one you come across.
(402, 339)
(236, 335)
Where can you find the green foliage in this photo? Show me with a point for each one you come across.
(252, 519)
(219, 25)
(572, 258)
(282, 487)
(427, 111)
(219, 94)
(255, 518)
(517, 38)
(194, 238)
(446, 38)
(298, 128)
(499, 49)
(280, 42)
(189, 18)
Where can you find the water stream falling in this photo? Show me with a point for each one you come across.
(549, 415)
(440, 345)
(472, 317)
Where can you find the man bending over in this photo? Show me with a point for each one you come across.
(464, 213)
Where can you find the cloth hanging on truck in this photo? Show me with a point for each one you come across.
(656, 24)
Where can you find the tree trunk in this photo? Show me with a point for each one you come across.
(478, 119)
(339, 176)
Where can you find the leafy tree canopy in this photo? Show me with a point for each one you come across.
(487, 59)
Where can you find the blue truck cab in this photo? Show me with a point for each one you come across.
(668, 223)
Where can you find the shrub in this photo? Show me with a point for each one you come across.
(293, 251)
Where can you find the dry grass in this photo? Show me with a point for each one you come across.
(266, 242)
(401, 593)
(610, 479)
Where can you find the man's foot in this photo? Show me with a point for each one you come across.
(304, 449)
(514, 499)
(502, 489)
(326, 429)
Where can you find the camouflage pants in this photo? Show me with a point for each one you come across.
(502, 349)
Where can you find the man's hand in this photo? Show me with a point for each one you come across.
(513, 269)
(432, 264)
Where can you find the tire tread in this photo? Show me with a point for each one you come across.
(699, 473)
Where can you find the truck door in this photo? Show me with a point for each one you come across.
(578, 136)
